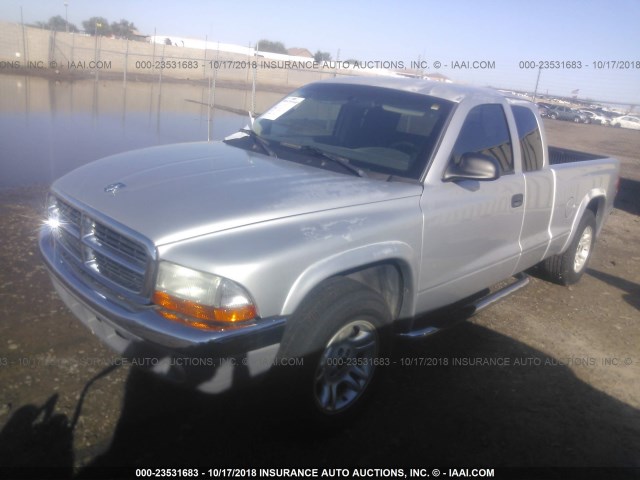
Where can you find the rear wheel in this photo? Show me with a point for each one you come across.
(340, 333)
(568, 267)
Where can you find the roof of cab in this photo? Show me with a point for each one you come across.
(446, 91)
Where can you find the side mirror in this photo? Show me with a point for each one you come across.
(473, 166)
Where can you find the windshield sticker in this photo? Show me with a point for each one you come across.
(281, 108)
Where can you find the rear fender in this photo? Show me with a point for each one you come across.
(595, 200)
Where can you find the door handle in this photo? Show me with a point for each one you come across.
(517, 200)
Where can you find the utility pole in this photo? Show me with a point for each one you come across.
(535, 93)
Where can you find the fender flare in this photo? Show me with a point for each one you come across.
(398, 253)
(596, 193)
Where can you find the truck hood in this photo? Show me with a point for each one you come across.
(175, 192)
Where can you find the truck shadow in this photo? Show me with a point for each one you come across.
(632, 289)
(466, 397)
(628, 196)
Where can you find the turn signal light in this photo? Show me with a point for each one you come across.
(197, 311)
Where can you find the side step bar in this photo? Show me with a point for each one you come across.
(521, 281)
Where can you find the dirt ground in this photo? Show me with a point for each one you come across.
(548, 377)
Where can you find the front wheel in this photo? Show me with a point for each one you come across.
(568, 267)
(340, 333)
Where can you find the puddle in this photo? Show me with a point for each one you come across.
(48, 128)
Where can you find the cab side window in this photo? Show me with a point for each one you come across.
(530, 139)
(485, 131)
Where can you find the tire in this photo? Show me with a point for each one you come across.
(568, 267)
(576, 119)
(341, 332)
(553, 116)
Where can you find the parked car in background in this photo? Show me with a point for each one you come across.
(560, 112)
(543, 109)
(595, 117)
(626, 121)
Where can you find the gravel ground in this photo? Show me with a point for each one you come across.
(548, 377)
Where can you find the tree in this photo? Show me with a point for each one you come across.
(167, 41)
(270, 46)
(97, 25)
(57, 24)
(322, 56)
(123, 29)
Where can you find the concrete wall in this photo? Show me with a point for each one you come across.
(68, 53)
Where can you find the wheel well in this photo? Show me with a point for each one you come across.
(385, 279)
(596, 205)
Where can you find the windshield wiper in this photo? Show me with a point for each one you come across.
(259, 141)
(342, 161)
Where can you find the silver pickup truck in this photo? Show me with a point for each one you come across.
(304, 243)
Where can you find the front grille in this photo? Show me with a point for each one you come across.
(117, 273)
(131, 249)
(116, 259)
(70, 242)
(68, 214)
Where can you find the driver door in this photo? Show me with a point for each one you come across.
(471, 227)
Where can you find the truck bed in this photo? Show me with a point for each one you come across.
(559, 155)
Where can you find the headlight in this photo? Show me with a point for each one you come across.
(53, 220)
(200, 299)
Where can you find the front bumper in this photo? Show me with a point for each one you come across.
(208, 360)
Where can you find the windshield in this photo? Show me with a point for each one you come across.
(378, 129)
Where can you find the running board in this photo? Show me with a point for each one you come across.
(421, 333)
(521, 281)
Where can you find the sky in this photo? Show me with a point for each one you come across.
(569, 33)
